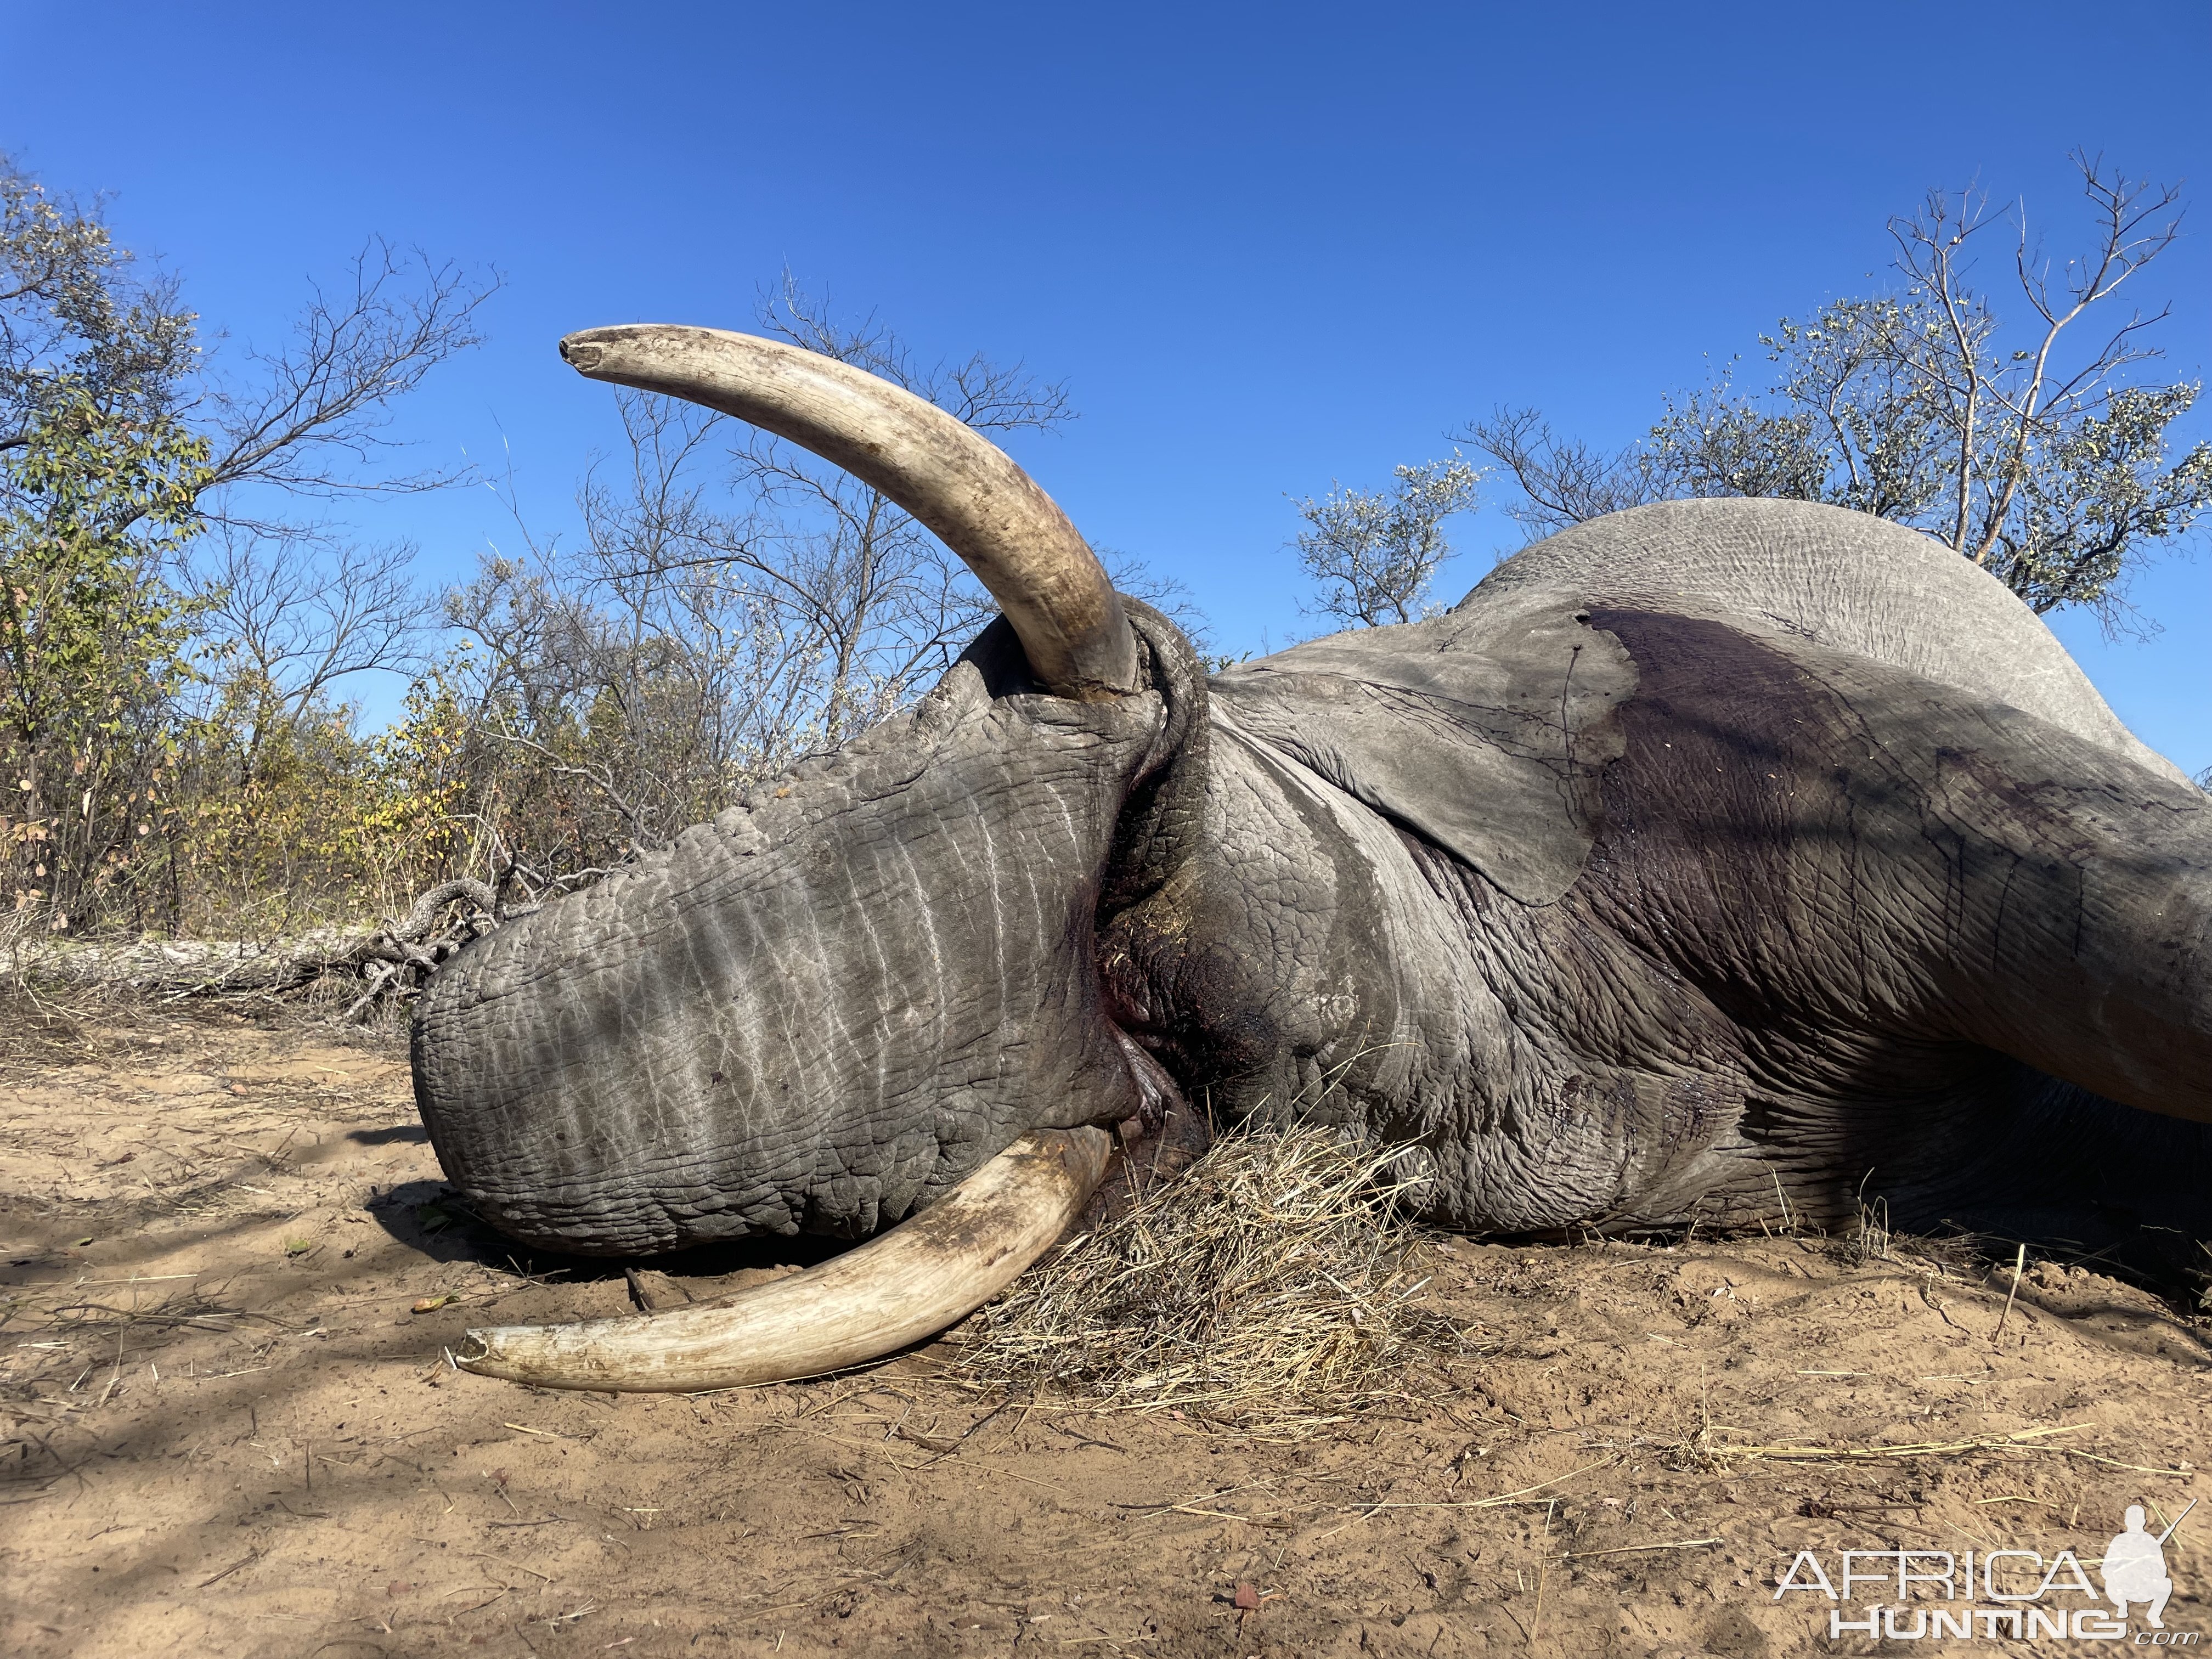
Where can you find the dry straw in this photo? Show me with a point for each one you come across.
(1270, 1282)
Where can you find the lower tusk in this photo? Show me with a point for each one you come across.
(928, 1273)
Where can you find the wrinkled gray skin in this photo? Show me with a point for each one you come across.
(1707, 859)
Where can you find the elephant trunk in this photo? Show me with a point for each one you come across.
(818, 1012)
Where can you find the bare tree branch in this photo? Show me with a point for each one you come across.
(302, 613)
(314, 412)
(2046, 463)
(1562, 481)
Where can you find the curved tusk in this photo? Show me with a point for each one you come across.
(923, 1275)
(984, 507)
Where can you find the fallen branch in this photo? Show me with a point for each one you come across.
(188, 965)
(398, 958)
(2021, 1441)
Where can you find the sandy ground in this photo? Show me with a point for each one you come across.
(224, 1431)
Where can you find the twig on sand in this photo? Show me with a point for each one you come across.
(2019, 1266)
(1637, 1549)
(2174, 1525)
(243, 1562)
(2021, 1440)
(1525, 1495)
(1543, 1566)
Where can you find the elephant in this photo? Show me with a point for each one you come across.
(1717, 863)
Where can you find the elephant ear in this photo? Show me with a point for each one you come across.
(1484, 736)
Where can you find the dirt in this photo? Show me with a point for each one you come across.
(226, 1430)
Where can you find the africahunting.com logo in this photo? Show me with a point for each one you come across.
(1910, 1595)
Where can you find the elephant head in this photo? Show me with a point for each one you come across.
(1713, 860)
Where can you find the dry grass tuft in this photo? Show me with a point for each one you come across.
(1270, 1282)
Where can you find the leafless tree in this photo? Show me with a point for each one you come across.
(308, 417)
(2045, 461)
(284, 619)
(289, 605)
(1563, 481)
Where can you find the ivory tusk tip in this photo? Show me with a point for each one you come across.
(927, 1273)
(947, 474)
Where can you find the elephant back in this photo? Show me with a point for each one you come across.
(1846, 580)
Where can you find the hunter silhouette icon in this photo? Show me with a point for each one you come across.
(2134, 1569)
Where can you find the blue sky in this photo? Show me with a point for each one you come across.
(1267, 246)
